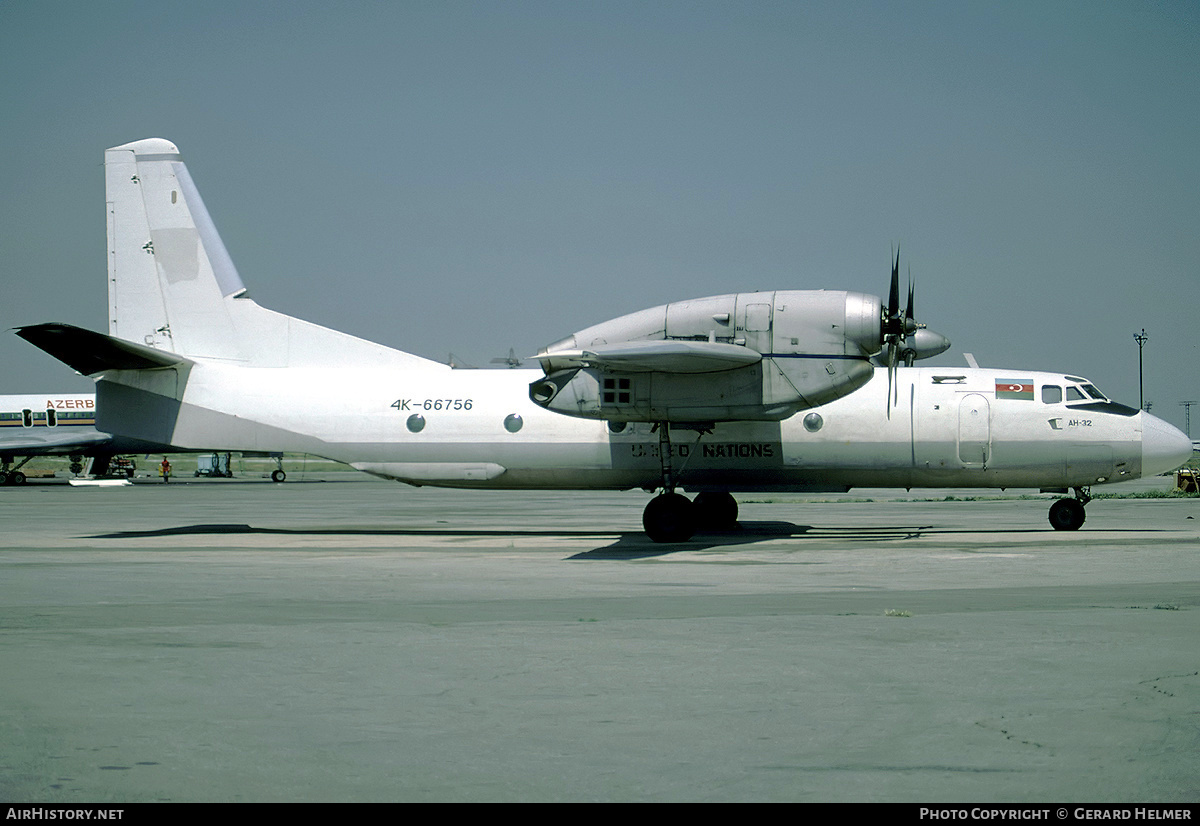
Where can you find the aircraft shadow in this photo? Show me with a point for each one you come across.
(631, 545)
(233, 529)
(637, 545)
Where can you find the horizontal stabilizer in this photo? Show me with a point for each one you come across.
(89, 353)
(658, 356)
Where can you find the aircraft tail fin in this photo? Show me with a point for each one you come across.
(173, 286)
(168, 270)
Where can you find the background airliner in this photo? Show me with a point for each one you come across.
(55, 424)
(64, 424)
(795, 390)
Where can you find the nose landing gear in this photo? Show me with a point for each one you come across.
(1068, 514)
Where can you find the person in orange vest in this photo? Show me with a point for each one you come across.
(165, 470)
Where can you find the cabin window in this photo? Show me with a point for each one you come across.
(1074, 394)
(617, 391)
(513, 422)
(1051, 394)
(416, 423)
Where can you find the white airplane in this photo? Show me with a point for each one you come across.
(60, 424)
(766, 391)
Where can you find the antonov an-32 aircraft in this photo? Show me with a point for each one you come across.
(792, 390)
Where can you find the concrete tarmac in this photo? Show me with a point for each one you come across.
(337, 638)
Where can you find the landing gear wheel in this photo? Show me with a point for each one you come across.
(669, 517)
(16, 478)
(278, 476)
(716, 510)
(1067, 514)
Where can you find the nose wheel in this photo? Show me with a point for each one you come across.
(1069, 514)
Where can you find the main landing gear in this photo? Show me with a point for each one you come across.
(10, 475)
(671, 516)
(1068, 514)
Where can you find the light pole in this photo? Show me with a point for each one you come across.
(1187, 416)
(1141, 339)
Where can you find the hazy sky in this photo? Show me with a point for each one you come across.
(468, 177)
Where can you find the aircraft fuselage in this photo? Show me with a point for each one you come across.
(477, 428)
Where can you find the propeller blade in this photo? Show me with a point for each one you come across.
(909, 324)
(893, 328)
(893, 349)
(894, 295)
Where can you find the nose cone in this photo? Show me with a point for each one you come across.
(1164, 447)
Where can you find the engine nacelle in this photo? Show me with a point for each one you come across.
(748, 356)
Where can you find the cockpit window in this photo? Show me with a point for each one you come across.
(1091, 390)
(1051, 394)
(1074, 394)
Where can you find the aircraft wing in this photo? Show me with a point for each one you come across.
(44, 441)
(669, 356)
(89, 353)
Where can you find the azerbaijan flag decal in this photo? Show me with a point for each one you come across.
(1014, 389)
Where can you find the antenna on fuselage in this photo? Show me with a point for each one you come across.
(511, 362)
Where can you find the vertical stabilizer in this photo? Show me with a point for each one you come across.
(168, 270)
